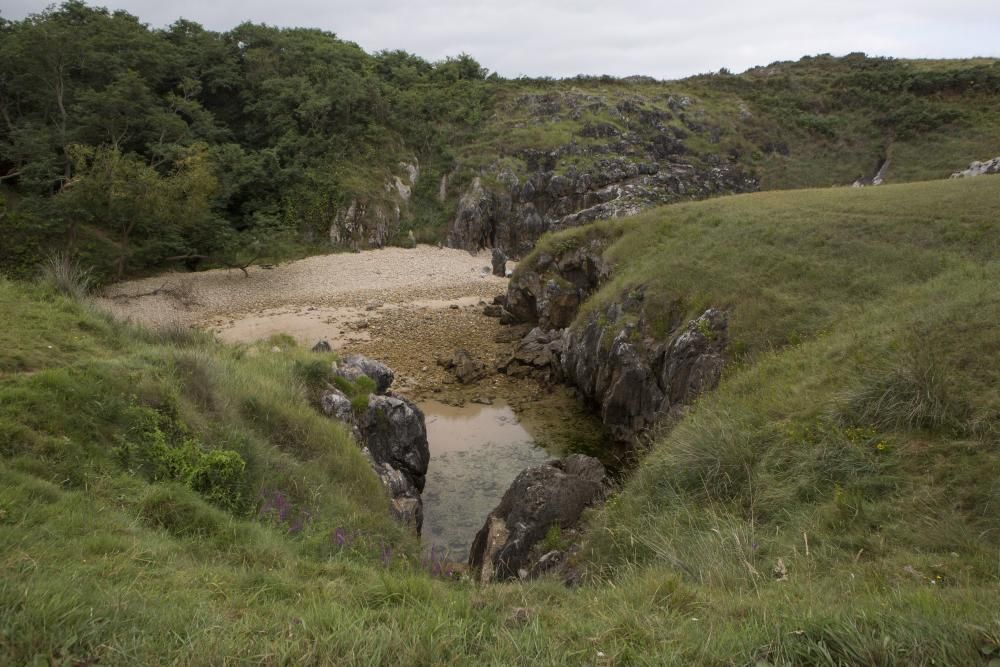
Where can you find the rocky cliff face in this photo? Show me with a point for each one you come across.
(622, 158)
(635, 378)
(550, 292)
(633, 373)
(371, 222)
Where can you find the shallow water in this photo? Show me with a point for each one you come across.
(476, 452)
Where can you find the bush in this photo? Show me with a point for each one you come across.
(357, 390)
(218, 475)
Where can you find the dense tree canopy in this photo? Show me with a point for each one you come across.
(131, 145)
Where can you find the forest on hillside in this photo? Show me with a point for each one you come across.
(136, 149)
(134, 145)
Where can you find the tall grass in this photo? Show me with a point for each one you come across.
(833, 502)
(66, 275)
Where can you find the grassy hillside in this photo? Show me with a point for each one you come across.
(834, 502)
(816, 122)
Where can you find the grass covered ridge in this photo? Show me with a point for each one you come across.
(834, 502)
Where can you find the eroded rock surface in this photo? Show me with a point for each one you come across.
(466, 368)
(979, 169)
(554, 494)
(551, 290)
(393, 434)
(641, 159)
(499, 263)
(635, 379)
(371, 222)
(393, 430)
(354, 366)
(632, 372)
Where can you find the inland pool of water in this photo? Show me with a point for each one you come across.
(476, 452)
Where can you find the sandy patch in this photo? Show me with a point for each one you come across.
(326, 296)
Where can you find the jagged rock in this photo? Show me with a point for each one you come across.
(634, 379)
(558, 304)
(354, 366)
(536, 354)
(322, 346)
(979, 169)
(551, 290)
(552, 494)
(692, 363)
(393, 430)
(393, 436)
(372, 222)
(337, 405)
(492, 310)
(499, 261)
(547, 562)
(464, 366)
(406, 505)
(623, 176)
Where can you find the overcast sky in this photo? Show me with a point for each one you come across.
(665, 39)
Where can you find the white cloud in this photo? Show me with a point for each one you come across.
(666, 39)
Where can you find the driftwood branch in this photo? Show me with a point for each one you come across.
(182, 292)
(212, 258)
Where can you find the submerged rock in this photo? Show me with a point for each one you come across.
(554, 494)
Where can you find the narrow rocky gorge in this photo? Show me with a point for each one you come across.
(632, 372)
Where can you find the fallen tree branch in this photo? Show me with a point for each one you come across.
(212, 258)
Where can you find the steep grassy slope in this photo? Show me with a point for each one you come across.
(852, 448)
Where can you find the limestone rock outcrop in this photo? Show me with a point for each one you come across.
(635, 379)
(551, 290)
(632, 373)
(466, 368)
(372, 221)
(354, 366)
(553, 494)
(392, 432)
(979, 169)
(637, 155)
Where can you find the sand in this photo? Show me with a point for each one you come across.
(332, 297)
